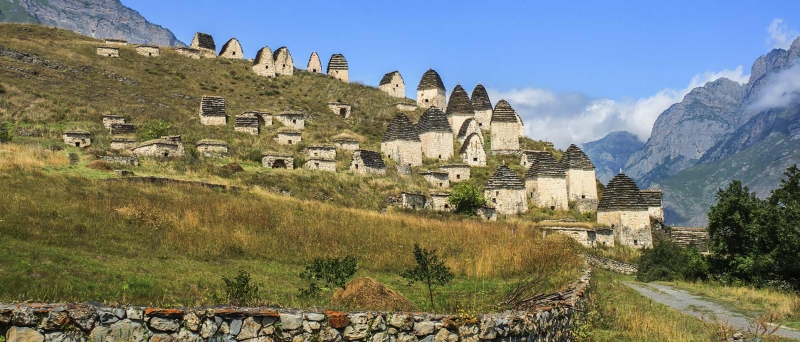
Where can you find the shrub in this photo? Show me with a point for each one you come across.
(5, 134)
(154, 129)
(239, 291)
(466, 198)
(668, 261)
(332, 272)
(430, 270)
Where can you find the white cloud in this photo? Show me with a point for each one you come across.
(781, 90)
(780, 35)
(576, 118)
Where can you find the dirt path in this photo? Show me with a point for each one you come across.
(701, 308)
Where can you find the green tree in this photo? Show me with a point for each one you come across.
(466, 198)
(333, 272)
(429, 270)
(732, 227)
(154, 129)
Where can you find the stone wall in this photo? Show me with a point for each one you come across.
(405, 151)
(456, 120)
(277, 161)
(296, 121)
(346, 144)
(484, 117)
(122, 144)
(148, 50)
(437, 145)
(108, 120)
(437, 179)
(473, 152)
(507, 201)
(612, 265)
(581, 184)
(486, 213)
(405, 107)
(314, 64)
(289, 138)
(412, 201)
(188, 52)
(341, 75)
(232, 50)
(456, 173)
(159, 149)
(107, 51)
(213, 120)
(631, 227)
(690, 237)
(284, 65)
(341, 109)
(321, 164)
(505, 136)
(321, 152)
(77, 139)
(123, 160)
(656, 212)
(396, 87)
(438, 201)
(212, 150)
(588, 237)
(586, 205)
(431, 98)
(122, 128)
(548, 192)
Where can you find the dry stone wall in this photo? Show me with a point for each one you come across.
(548, 192)
(631, 226)
(148, 50)
(431, 98)
(107, 51)
(581, 184)
(612, 265)
(321, 164)
(123, 160)
(505, 136)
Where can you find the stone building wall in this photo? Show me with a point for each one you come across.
(122, 129)
(159, 149)
(346, 144)
(437, 145)
(123, 160)
(112, 41)
(296, 121)
(581, 184)
(437, 179)
(277, 161)
(314, 64)
(78, 139)
(456, 173)
(188, 52)
(656, 212)
(321, 152)
(341, 75)
(108, 120)
(288, 138)
(396, 86)
(212, 111)
(505, 136)
(631, 227)
(405, 107)
(148, 50)
(213, 120)
(372, 165)
(284, 65)
(232, 50)
(588, 237)
(470, 128)
(123, 144)
(205, 43)
(321, 164)
(438, 202)
(412, 200)
(484, 117)
(456, 120)
(694, 237)
(407, 152)
(263, 64)
(548, 192)
(487, 213)
(212, 149)
(473, 152)
(107, 51)
(431, 98)
(341, 109)
(507, 201)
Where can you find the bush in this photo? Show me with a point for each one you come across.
(239, 291)
(332, 272)
(154, 129)
(5, 134)
(466, 198)
(667, 261)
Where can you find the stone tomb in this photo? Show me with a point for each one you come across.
(506, 192)
(188, 52)
(505, 128)
(107, 51)
(469, 127)
(412, 200)
(273, 160)
(482, 107)
(581, 181)
(314, 64)
(346, 143)
(78, 138)
(205, 43)
(435, 134)
(431, 91)
(321, 164)
(112, 119)
(456, 172)
(121, 160)
(438, 201)
(251, 122)
(122, 128)
(367, 162)
(437, 179)
(546, 184)
(341, 109)
(337, 68)
(165, 147)
(406, 107)
(284, 66)
(401, 142)
(111, 41)
(588, 237)
(212, 111)
(148, 50)
(529, 158)
(393, 84)
(122, 143)
(212, 148)
(653, 199)
(624, 209)
(288, 136)
(459, 108)
(321, 152)
(232, 50)
(487, 213)
(263, 64)
(472, 151)
(292, 120)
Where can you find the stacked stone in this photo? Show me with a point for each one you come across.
(459, 108)
(232, 50)
(529, 158)
(77, 138)
(263, 64)
(314, 64)
(430, 80)
(284, 65)
(457, 172)
(401, 141)
(148, 50)
(621, 193)
(112, 119)
(482, 106)
(690, 237)
(167, 146)
(124, 160)
(546, 166)
(437, 179)
(431, 90)
(247, 124)
(188, 52)
(212, 110)
(346, 142)
(393, 84)
(505, 128)
(337, 67)
(472, 151)
(108, 51)
(546, 182)
(364, 161)
(436, 134)
(469, 127)
(623, 208)
(272, 160)
(122, 128)
(612, 265)
(122, 143)
(506, 191)
(652, 198)
(205, 43)
(574, 158)
(212, 148)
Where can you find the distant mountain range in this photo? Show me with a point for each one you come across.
(610, 154)
(719, 132)
(96, 18)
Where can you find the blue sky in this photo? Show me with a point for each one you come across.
(573, 55)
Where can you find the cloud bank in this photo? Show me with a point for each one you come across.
(781, 90)
(780, 35)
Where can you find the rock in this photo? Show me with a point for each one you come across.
(209, 328)
(487, 331)
(429, 338)
(291, 322)
(186, 335)
(98, 334)
(23, 316)
(445, 336)
(266, 331)
(355, 332)
(468, 330)
(378, 324)
(60, 336)
(406, 337)
(127, 331)
(20, 334)
(249, 329)
(235, 327)
(310, 326)
(329, 335)
(191, 321)
(164, 324)
(392, 331)
(423, 328)
(134, 313)
(337, 320)
(84, 317)
(269, 320)
(162, 338)
(316, 317)
(55, 320)
(297, 339)
(381, 337)
(401, 321)
(107, 317)
(360, 318)
(119, 312)
(224, 329)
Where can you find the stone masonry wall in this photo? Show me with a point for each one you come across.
(581, 184)
(631, 227)
(507, 201)
(148, 51)
(505, 136)
(437, 145)
(108, 51)
(483, 117)
(431, 98)
(409, 151)
(548, 192)
(612, 265)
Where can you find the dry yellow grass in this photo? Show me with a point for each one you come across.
(27, 158)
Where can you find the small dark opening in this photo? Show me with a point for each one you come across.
(497, 193)
(356, 166)
(150, 54)
(77, 144)
(494, 200)
(441, 185)
(635, 242)
(440, 156)
(313, 70)
(109, 55)
(284, 65)
(343, 112)
(279, 164)
(552, 207)
(474, 159)
(426, 100)
(447, 206)
(316, 164)
(583, 196)
(234, 53)
(165, 154)
(290, 142)
(294, 121)
(458, 176)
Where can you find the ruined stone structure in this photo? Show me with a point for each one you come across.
(293, 120)
(232, 50)
(469, 127)
(122, 143)
(438, 202)
(188, 52)
(288, 136)
(341, 109)
(112, 119)
(321, 152)
(122, 128)
(487, 213)
(263, 64)
(78, 138)
(122, 160)
(148, 50)
(412, 200)
(472, 151)
(337, 68)
(506, 192)
(653, 199)
(205, 43)
(346, 143)
(401, 141)
(107, 51)
(456, 172)
(212, 111)
(437, 179)
(111, 41)
(273, 160)
(505, 128)
(431, 91)
(624, 209)
(314, 64)
(393, 84)
(435, 134)
(406, 107)
(459, 108)
(546, 183)
(284, 65)
(612, 265)
(690, 237)
(588, 237)
(581, 179)
(482, 107)
(165, 147)
(367, 162)
(251, 122)
(321, 164)
(212, 148)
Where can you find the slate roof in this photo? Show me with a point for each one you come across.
(459, 102)
(430, 80)
(265, 52)
(387, 78)
(245, 121)
(652, 198)
(465, 145)
(370, 158)
(545, 166)
(400, 128)
(433, 120)
(212, 106)
(160, 141)
(505, 178)
(574, 158)
(504, 113)
(205, 41)
(533, 156)
(480, 98)
(621, 194)
(337, 62)
(227, 45)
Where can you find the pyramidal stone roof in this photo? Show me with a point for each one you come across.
(400, 128)
(262, 54)
(574, 158)
(505, 178)
(280, 50)
(212, 106)
(545, 166)
(337, 62)
(504, 113)
(388, 77)
(205, 41)
(371, 158)
(622, 194)
(480, 98)
(433, 120)
(431, 80)
(228, 44)
(459, 101)
(652, 198)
